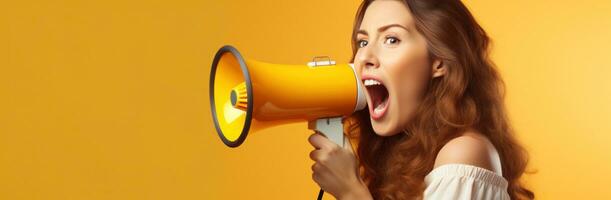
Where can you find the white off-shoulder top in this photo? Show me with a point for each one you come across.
(461, 181)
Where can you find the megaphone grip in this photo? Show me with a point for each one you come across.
(333, 129)
(330, 127)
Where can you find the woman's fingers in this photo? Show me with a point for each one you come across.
(314, 155)
(319, 155)
(320, 142)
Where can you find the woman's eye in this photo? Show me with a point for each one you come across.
(391, 40)
(362, 43)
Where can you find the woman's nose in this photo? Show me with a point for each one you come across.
(367, 58)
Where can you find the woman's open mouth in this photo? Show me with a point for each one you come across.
(378, 97)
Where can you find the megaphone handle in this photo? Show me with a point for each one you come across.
(334, 130)
(331, 127)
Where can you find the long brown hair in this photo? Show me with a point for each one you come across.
(469, 95)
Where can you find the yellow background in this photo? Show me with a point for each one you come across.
(108, 99)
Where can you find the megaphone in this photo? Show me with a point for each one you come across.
(247, 96)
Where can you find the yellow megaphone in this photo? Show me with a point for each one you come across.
(248, 96)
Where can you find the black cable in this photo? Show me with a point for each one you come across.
(320, 194)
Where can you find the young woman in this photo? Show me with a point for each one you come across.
(436, 126)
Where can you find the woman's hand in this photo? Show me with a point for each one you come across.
(335, 169)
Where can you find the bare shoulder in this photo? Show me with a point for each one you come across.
(471, 148)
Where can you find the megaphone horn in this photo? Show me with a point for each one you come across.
(248, 95)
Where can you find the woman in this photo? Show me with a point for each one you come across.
(436, 126)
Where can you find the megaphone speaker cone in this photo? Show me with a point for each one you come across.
(230, 96)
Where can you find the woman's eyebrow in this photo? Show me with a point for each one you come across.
(364, 32)
(383, 28)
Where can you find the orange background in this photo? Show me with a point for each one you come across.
(108, 99)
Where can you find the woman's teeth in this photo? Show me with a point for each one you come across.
(370, 82)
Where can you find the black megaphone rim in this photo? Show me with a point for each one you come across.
(247, 80)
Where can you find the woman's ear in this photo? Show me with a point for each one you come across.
(439, 69)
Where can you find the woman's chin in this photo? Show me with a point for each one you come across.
(383, 129)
